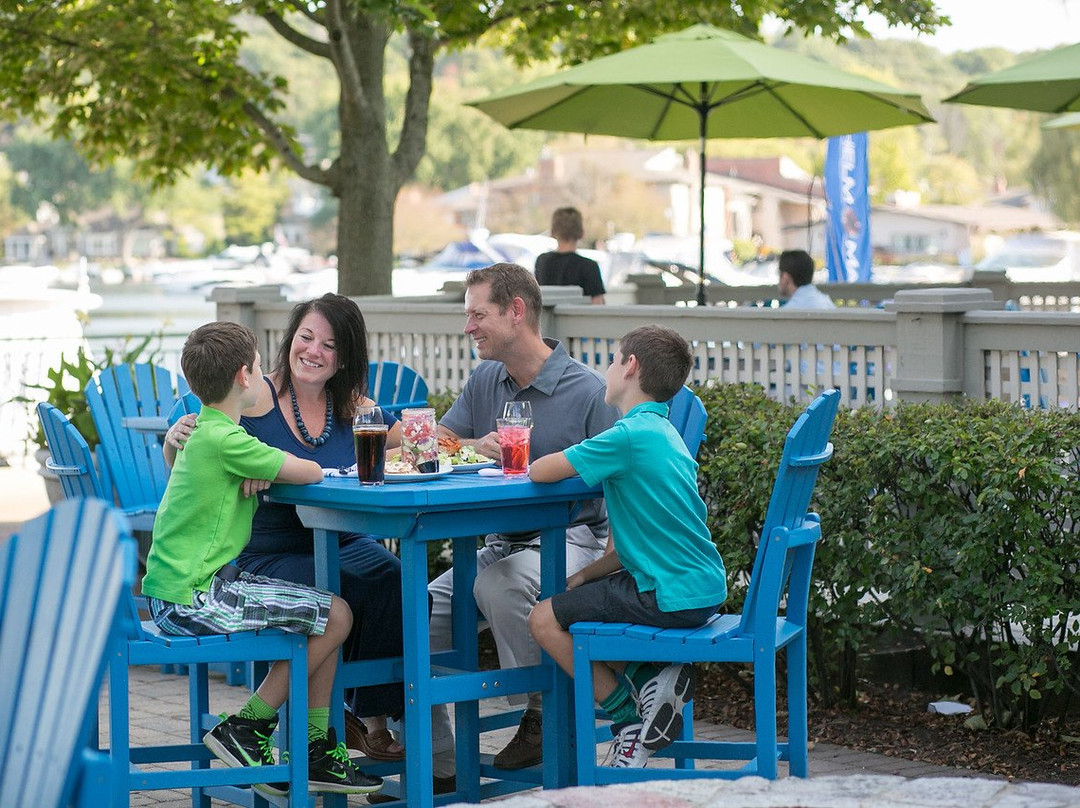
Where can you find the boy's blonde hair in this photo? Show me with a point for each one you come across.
(663, 356)
(212, 355)
(567, 225)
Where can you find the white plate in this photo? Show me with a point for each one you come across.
(463, 468)
(416, 478)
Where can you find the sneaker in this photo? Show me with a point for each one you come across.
(240, 741)
(627, 751)
(329, 769)
(660, 704)
(526, 748)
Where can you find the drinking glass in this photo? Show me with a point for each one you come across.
(369, 440)
(419, 440)
(519, 410)
(514, 434)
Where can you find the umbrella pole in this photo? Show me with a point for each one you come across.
(703, 116)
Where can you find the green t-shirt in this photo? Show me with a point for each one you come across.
(657, 516)
(204, 521)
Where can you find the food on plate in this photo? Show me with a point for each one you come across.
(449, 446)
(397, 465)
(463, 456)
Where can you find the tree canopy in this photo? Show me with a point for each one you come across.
(165, 84)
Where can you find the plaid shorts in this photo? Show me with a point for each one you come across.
(250, 602)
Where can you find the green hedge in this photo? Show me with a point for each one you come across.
(955, 523)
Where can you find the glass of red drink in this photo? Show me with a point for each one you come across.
(369, 440)
(514, 436)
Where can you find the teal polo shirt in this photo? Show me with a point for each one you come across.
(657, 516)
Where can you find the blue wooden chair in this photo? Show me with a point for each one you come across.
(143, 643)
(61, 580)
(781, 575)
(687, 414)
(119, 397)
(396, 387)
(70, 459)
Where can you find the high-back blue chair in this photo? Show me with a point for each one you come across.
(70, 459)
(61, 580)
(396, 387)
(687, 414)
(781, 575)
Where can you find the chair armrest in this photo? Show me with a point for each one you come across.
(63, 471)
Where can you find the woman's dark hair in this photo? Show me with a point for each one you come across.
(350, 338)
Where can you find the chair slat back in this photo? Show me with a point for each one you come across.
(806, 448)
(69, 456)
(687, 414)
(395, 387)
(132, 459)
(61, 579)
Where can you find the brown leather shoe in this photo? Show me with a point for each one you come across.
(375, 745)
(443, 785)
(526, 747)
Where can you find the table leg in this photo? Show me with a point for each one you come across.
(557, 704)
(466, 646)
(328, 578)
(417, 661)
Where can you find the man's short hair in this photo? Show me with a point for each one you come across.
(567, 225)
(212, 355)
(663, 356)
(799, 265)
(507, 282)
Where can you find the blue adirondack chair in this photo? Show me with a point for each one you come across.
(71, 461)
(781, 574)
(132, 458)
(396, 387)
(61, 580)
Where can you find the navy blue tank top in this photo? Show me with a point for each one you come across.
(276, 528)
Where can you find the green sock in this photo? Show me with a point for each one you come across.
(620, 705)
(318, 719)
(256, 708)
(641, 672)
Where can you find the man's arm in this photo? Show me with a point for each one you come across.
(488, 445)
(551, 468)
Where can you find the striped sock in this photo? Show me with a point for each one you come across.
(256, 708)
(318, 719)
(620, 706)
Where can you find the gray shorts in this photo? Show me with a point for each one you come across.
(249, 603)
(616, 599)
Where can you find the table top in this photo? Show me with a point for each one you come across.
(443, 493)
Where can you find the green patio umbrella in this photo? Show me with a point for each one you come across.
(1049, 82)
(704, 82)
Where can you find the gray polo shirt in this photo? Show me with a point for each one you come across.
(568, 407)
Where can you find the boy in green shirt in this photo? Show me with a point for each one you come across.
(661, 567)
(202, 523)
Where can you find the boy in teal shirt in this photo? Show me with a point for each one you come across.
(661, 567)
(202, 523)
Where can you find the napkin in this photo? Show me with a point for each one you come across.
(348, 472)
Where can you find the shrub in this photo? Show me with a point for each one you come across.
(956, 522)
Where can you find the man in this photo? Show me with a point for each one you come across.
(797, 282)
(502, 303)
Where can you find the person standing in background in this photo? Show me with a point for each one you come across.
(564, 267)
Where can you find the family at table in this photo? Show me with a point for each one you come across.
(660, 569)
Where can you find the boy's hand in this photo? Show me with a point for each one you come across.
(250, 488)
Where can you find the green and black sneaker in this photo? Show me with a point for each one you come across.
(329, 769)
(246, 742)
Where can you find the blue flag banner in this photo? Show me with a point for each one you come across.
(848, 233)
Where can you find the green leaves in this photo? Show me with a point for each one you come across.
(955, 523)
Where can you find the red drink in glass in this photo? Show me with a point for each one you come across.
(514, 443)
(370, 443)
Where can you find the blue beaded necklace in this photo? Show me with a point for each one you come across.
(319, 441)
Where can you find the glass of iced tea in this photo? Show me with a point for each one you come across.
(514, 442)
(369, 439)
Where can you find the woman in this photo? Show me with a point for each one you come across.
(306, 407)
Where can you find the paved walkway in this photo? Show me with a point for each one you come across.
(840, 777)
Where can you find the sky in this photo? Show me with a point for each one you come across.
(1016, 26)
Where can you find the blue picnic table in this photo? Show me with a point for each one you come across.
(458, 507)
